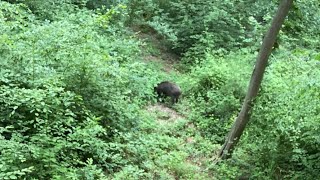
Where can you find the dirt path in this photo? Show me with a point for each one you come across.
(168, 117)
(156, 51)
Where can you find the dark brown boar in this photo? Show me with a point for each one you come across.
(168, 89)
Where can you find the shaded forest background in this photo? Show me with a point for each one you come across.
(77, 100)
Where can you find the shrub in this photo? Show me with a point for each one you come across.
(70, 91)
(216, 91)
(281, 140)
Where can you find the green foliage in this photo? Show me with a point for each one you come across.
(282, 138)
(303, 24)
(195, 27)
(77, 57)
(48, 10)
(46, 128)
(191, 24)
(217, 89)
(157, 153)
(96, 4)
(69, 89)
(292, 119)
(14, 19)
(73, 90)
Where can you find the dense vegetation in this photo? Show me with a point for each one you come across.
(76, 81)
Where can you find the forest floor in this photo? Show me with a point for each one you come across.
(169, 117)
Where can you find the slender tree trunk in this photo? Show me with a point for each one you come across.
(256, 78)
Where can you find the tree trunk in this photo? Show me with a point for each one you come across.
(256, 78)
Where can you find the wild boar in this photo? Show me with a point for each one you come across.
(168, 89)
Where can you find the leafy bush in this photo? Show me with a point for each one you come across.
(92, 65)
(282, 138)
(70, 90)
(196, 27)
(302, 27)
(96, 4)
(200, 26)
(216, 91)
(46, 127)
(48, 10)
(292, 120)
